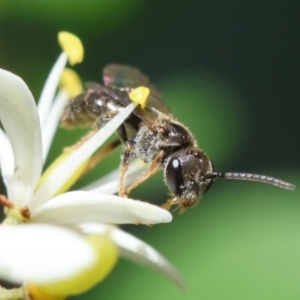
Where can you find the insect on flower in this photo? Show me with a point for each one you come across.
(44, 253)
(152, 134)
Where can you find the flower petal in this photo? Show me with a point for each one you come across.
(42, 254)
(78, 207)
(65, 170)
(138, 251)
(20, 120)
(7, 164)
(107, 254)
(110, 183)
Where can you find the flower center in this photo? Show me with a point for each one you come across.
(13, 213)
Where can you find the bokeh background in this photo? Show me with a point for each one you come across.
(230, 71)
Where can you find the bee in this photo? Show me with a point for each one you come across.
(153, 134)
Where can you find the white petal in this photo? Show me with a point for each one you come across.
(50, 87)
(7, 164)
(42, 253)
(20, 120)
(138, 251)
(52, 120)
(110, 183)
(65, 170)
(81, 207)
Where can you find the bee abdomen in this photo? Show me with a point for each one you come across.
(86, 108)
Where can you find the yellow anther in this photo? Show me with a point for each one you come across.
(140, 95)
(70, 80)
(107, 255)
(72, 45)
(76, 175)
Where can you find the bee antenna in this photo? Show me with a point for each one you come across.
(253, 177)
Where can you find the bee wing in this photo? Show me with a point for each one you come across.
(126, 78)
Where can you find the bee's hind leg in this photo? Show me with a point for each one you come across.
(104, 119)
(100, 122)
(101, 154)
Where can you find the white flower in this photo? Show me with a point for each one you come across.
(67, 238)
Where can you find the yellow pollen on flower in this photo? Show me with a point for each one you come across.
(71, 81)
(107, 256)
(140, 95)
(75, 176)
(14, 216)
(72, 45)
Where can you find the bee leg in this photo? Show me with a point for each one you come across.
(172, 202)
(154, 167)
(121, 131)
(125, 159)
(108, 148)
(101, 154)
(100, 122)
(169, 204)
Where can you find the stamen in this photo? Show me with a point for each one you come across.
(5, 202)
(73, 50)
(71, 180)
(71, 81)
(25, 212)
(140, 95)
(72, 45)
(64, 171)
(53, 118)
(50, 87)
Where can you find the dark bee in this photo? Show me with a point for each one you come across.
(153, 134)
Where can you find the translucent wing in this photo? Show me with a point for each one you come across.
(126, 78)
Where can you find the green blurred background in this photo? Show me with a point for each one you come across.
(230, 71)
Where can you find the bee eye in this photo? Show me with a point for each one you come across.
(173, 175)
